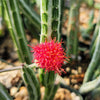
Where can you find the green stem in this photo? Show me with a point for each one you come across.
(14, 38)
(50, 91)
(73, 28)
(4, 93)
(50, 28)
(95, 34)
(94, 61)
(96, 73)
(30, 14)
(50, 19)
(31, 82)
(89, 86)
(17, 68)
(95, 93)
(17, 31)
(93, 47)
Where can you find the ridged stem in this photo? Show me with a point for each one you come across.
(30, 14)
(95, 34)
(31, 82)
(17, 31)
(94, 61)
(95, 93)
(4, 93)
(96, 73)
(17, 68)
(50, 19)
(50, 28)
(73, 28)
(44, 20)
(93, 47)
(50, 92)
(89, 86)
(17, 46)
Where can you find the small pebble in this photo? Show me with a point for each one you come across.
(79, 70)
(18, 98)
(74, 72)
(67, 69)
(28, 37)
(22, 92)
(79, 58)
(74, 81)
(2, 65)
(73, 95)
(73, 57)
(34, 41)
(67, 80)
(76, 87)
(77, 98)
(13, 91)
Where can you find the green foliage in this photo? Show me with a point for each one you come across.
(31, 15)
(87, 87)
(4, 93)
(94, 61)
(31, 82)
(16, 30)
(73, 28)
(50, 19)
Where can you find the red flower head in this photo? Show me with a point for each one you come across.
(50, 56)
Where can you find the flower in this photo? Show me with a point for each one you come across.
(50, 56)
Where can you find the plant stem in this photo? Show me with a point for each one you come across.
(50, 91)
(94, 61)
(89, 86)
(50, 19)
(50, 28)
(17, 31)
(17, 68)
(31, 82)
(96, 73)
(73, 28)
(95, 34)
(30, 14)
(4, 95)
